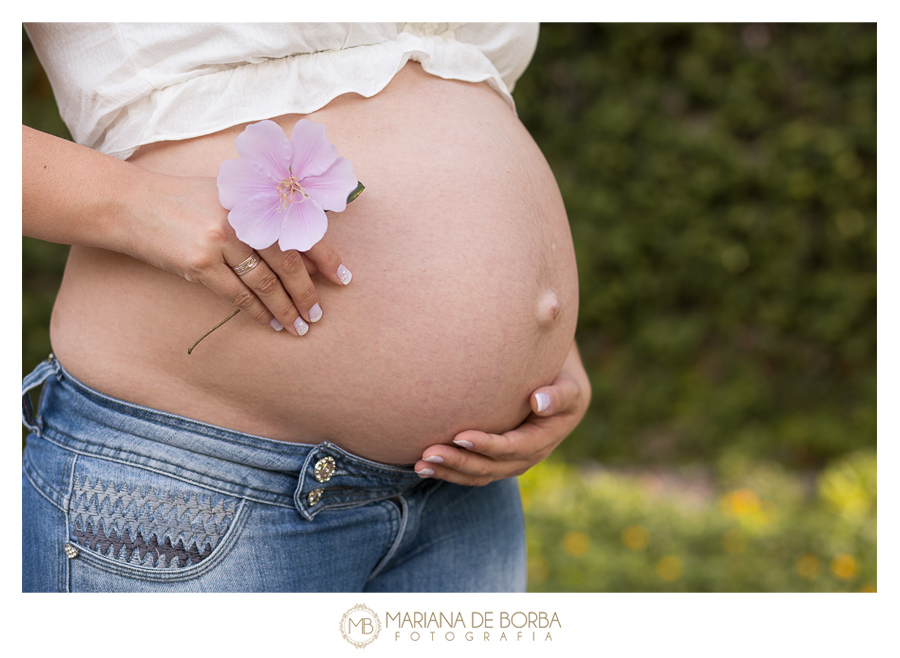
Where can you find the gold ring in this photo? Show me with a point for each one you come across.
(251, 262)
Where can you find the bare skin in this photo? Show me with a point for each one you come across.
(477, 458)
(463, 299)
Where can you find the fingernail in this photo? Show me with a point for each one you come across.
(301, 326)
(543, 401)
(275, 324)
(344, 274)
(464, 444)
(425, 473)
(315, 313)
(434, 459)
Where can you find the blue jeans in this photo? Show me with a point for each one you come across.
(121, 498)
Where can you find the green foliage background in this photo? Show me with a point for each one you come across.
(720, 182)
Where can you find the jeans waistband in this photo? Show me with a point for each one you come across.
(311, 478)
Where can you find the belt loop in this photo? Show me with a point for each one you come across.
(300, 502)
(34, 379)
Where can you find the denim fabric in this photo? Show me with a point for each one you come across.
(121, 498)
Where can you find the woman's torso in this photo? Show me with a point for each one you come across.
(464, 295)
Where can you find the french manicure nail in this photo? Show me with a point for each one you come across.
(434, 459)
(344, 274)
(301, 326)
(464, 444)
(275, 324)
(315, 313)
(543, 401)
(425, 473)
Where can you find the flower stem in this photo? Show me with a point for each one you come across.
(236, 311)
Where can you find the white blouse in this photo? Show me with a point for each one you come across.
(122, 85)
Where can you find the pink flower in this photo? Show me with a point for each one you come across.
(280, 189)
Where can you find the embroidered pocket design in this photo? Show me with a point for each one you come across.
(147, 527)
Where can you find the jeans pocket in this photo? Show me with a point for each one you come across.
(132, 522)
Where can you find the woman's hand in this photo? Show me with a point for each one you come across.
(481, 458)
(203, 247)
(75, 195)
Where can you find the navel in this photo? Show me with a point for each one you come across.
(547, 309)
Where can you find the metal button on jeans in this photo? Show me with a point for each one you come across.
(324, 469)
(314, 496)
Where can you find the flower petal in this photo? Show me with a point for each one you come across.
(312, 152)
(266, 144)
(257, 221)
(332, 188)
(241, 179)
(304, 225)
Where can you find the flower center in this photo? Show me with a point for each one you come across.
(290, 192)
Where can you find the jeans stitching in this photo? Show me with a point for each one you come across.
(362, 463)
(222, 550)
(68, 562)
(164, 523)
(401, 534)
(31, 474)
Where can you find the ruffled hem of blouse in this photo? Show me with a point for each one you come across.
(253, 92)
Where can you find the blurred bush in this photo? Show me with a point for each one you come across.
(751, 527)
(720, 184)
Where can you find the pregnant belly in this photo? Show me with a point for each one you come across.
(463, 299)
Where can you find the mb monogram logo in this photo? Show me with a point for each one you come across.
(360, 626)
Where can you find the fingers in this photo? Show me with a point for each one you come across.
(480, 458)
(466, 468)
(290, 270)
(277, 290)
(293, 270)
(328, 262)
(439, 472)
(223, 280)
(502, 447)
(269, 287)
(562, 396)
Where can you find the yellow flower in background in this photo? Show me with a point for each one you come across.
(576, 543)
(868, 588)
(734, 541)
(745, 505)
(635, 537)
(669, 568)
(844, 566)
(808, 566)
(741, 502)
